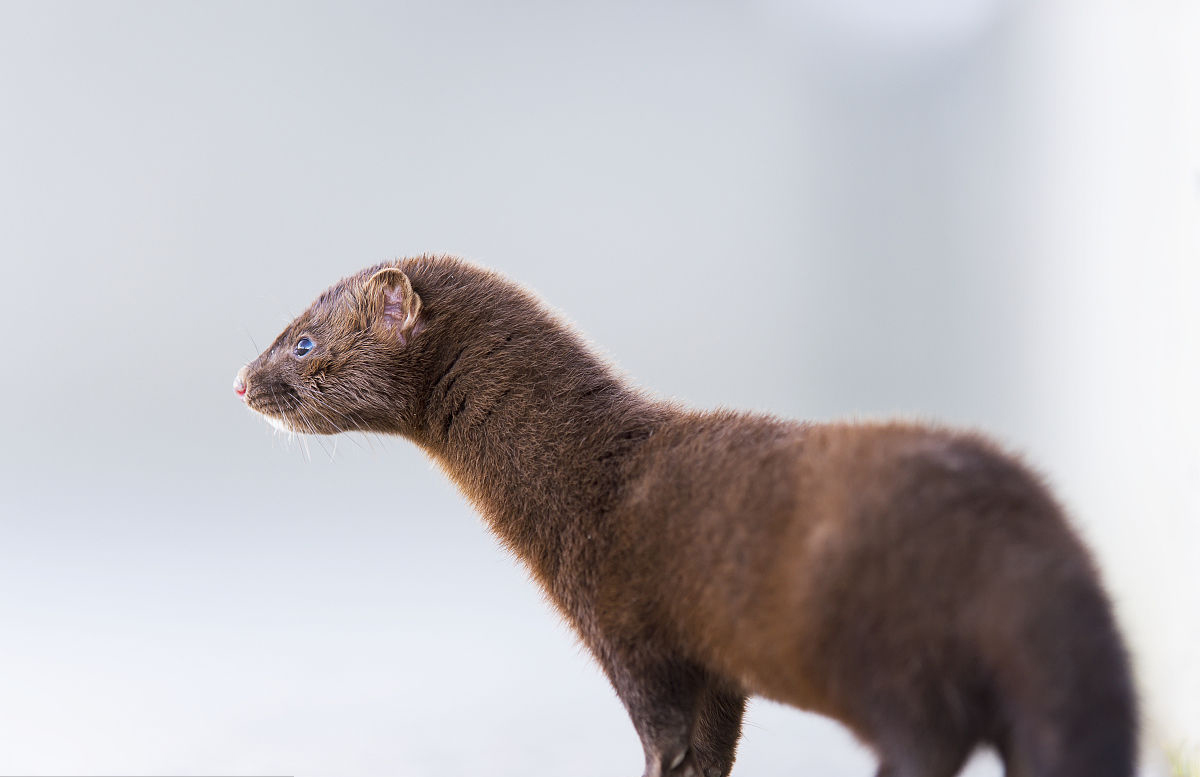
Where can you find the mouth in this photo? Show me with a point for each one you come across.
(273, 415)
(280, 424)
(291, 421)
(264, 405)
(280, 405)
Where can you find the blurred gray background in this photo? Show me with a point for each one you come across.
(982, 212)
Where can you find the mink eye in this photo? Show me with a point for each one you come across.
(303, 347)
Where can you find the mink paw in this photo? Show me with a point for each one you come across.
(683, 764)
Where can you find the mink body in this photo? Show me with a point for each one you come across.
(916, 584)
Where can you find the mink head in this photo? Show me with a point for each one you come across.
(352, 361)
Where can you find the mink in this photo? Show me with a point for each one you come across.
(916, 583)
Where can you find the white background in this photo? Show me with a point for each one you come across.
(976, 211)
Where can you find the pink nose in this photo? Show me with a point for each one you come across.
(239, 383)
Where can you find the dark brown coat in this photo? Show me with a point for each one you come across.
(914, 583)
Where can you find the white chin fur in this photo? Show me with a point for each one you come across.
(279, 424)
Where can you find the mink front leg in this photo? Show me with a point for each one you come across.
(688, 721)
(718, 728)
(663, 697)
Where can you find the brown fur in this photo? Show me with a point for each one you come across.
(916, 584)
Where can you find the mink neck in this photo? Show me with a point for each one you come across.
(537, 432)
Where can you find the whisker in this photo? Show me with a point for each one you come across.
(348, 419)
(318, 440)
(298, 422)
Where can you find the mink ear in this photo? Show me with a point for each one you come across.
(393, 308)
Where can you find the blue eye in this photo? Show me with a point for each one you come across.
(304, 346)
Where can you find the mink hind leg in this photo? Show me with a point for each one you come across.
(942, 759)
(922, 745)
